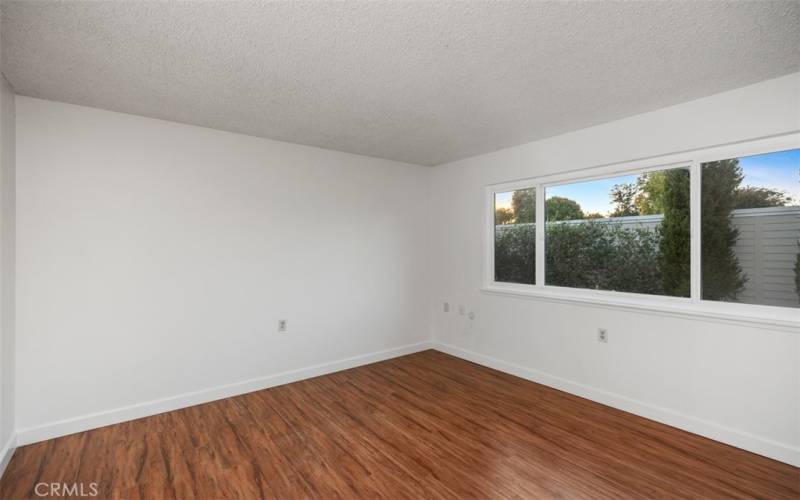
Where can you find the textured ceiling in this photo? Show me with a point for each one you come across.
(424, 83)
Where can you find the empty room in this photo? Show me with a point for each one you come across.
(399, 249)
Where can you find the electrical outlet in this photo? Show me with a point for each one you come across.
(282, 325)
(462, 310)
(602, 335)
(446, 307)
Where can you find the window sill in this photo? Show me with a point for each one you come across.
(774, 318)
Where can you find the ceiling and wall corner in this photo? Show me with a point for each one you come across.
(425, 83)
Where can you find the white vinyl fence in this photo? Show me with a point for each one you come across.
(767, 250)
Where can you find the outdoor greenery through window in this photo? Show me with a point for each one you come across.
(633, 233)
(751, 229)
(626, 234)
(515, 236)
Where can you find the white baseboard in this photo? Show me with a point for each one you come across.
(734, 437)
(7, 451)
(101, 419)
(706, 428)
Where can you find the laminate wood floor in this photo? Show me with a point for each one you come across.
(426, 425)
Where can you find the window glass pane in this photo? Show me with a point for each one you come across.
(750, 229)
(515, 236)
(626, 234)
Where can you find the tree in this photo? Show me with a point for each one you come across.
(560, 208)
(674, 240)
(759, 197)
(722, 276)
(624, 198)
(594, 215)
(503, 215)
(523, 202)
(649, 199)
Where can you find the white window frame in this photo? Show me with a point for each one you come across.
(770, 317)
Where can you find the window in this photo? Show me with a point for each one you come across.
(626, 234)
(751, 229)
(697, 229)
(515, 236)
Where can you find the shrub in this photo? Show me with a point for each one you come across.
(603, 256)
(595, 255)
(515, 253)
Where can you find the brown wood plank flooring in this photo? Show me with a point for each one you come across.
(426, 425)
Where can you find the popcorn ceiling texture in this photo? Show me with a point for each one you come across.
(424, 83)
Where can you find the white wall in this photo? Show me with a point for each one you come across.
(155, 259)
(734, 383)
(7, 145)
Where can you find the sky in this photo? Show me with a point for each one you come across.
(780, 170)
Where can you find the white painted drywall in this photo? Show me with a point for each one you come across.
(7, 188)
(735, 383)
(155, 259)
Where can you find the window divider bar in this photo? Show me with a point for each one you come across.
(695, 241)
(489, 236)
(540, 235)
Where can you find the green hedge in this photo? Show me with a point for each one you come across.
(515, 253)
(594, 255)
